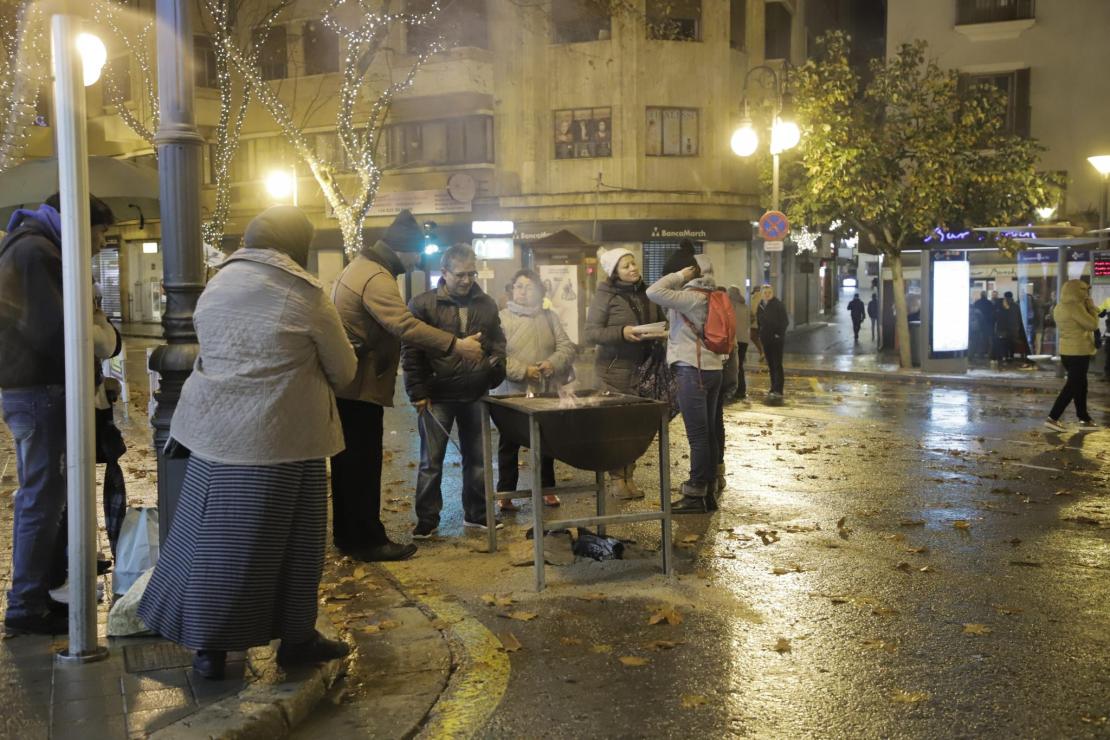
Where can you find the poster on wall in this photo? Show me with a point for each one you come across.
(560, 283)
(581, 133)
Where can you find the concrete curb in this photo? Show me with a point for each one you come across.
(263, 709)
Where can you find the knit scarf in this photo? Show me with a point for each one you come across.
(520, 310)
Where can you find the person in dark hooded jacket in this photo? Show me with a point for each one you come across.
(445, 389)
(32, 376)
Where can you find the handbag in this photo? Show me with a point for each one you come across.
(654, 379)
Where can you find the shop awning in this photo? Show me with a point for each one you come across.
(562, 239)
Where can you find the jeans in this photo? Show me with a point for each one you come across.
(1075, 387)
(356, 477)
(698, 395)
(741, 381)
(36, 417)
(433, 447)
(773, 349)
(874, 326)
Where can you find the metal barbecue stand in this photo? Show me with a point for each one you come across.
(522, 422)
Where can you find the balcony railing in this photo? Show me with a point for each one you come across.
(992, 11)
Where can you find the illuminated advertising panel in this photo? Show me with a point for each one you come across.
(950, 305)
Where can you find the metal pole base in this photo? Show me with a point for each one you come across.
(98, 653)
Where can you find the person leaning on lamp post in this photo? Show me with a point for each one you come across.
(446, 389)
(773, 322)
(377, 321)
(241, 565)
(1076, 321)
(618, 307)
(698, 372)
(32, 376)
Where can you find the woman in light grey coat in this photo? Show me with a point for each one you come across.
(241, 565)
(540, 358)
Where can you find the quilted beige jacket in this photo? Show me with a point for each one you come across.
(272, 351)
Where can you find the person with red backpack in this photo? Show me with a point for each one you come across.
(702, 328)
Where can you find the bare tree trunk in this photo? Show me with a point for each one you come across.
(901, 315)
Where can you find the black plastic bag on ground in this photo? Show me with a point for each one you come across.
(591, 545)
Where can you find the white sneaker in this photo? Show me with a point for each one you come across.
(1054, 425)
(482, 525)
(61, 593)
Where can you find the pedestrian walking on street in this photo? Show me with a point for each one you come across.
(984, 309)
(242, 562)
(540, 357)
(873, 314)
(698, 370)
(32, 379)
(1076, 320)
(743, 332)
(1019, 340)
(446, 389)
(857, 310)
(619, 306)
(773, 322)
(377, 321)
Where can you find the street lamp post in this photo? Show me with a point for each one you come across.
(179, 167)
(784, 135)
(1102, 164)
(282, 184)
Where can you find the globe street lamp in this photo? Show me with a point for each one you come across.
(785, 135)
(281, 184)
(1102, 164)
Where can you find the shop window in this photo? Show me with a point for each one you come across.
(738, 24)
(777, 31)
(672, 132)
(451, 141)
(204, 63)
(582, 133)
(575, 21)
(674, 20)
(459, 23)
(1014, 86)
(657, 253)
(117, 81)
(321, 48)
(992, 11)
(272, 57)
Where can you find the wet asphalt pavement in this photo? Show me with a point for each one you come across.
(890, 560)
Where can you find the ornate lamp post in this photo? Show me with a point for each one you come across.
(179, 169)
(784, 135)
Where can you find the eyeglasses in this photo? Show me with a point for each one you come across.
(472, 274)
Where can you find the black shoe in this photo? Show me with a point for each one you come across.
(424, 530)
(318, 649)
(692, 505)
(210, 664)
(388, 552)
(50, 623)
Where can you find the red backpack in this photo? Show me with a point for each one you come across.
(719, 333)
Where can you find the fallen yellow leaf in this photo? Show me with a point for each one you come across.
(601, 648)
(961, 524)
(667, 614)
(593, 597)
(632, 661)
(782, 646)
(570, 641)
(977, 629)
(509, 642)
(522, 616)
(689, 701)
(664, 644)
(908, 697)
(360, 573)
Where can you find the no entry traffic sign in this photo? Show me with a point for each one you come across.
(773, 225)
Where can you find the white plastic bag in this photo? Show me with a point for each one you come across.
(137, 550)
(123, 619)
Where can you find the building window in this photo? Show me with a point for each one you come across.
(738, 24)
(992, 11)
(272, 57)
(575, 21)
(321, 49)
(459, 23)
(674, 20)
(117, 81)
(777, 31)
(204, 63)
(583, 132)
(330, 149)
(672, 132)
(451, 141)
(1014, 87)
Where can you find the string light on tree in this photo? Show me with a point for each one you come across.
(22, 78)
(805, 240)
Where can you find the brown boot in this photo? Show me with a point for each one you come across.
(722, 482)
(623, 486)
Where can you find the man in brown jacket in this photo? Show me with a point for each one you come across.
(377, 321)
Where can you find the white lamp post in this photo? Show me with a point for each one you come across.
(784, 135)
(77, 59)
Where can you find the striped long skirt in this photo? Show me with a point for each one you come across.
(241, 565)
